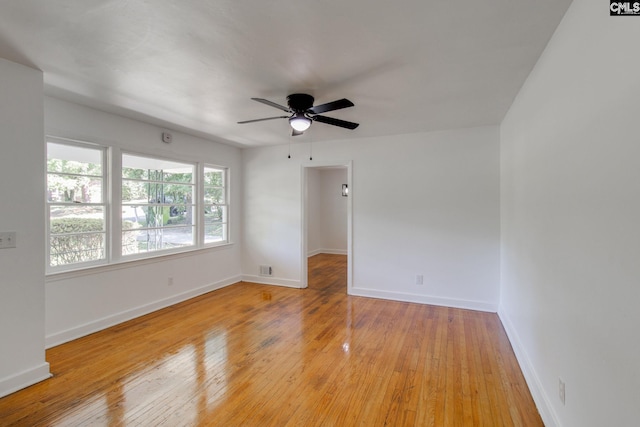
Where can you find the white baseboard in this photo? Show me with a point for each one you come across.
(424, 299)
(276, 281)
(61, 337)
(24, 379)
(327, 251)
(541, 399)
(314, 253)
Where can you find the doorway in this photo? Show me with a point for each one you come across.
(326, 221)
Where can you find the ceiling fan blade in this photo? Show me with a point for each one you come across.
(273, 104)
(296, 133)
(336, 122)
(261, 120)
(330, 106)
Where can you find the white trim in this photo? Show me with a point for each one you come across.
(112, 188)
(275, 281)
(327, 251)
(201, 193)
(132, 263)
(425, 299)
(541, 399)
(304, 251)
(24, 379)
(114, 319)
(314, 253)
(304, 232)
(106, 203)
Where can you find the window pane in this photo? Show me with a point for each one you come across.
(159, 216)
(133, 173)
(175, 193)
(215, 214)
(156, 216)
(76, 234)
(134, 242)
(186, 177)
(74, 188)
(215, 224)
(73, 248)
(140, 192)
(179, 215)
(214, 233)
(148, 240)
(177, 237)
(213, 177)
(154, 169)
(77, 230)
(76, 219)
(158, 207)
(135, 192)
(73, 159)
(213, 195)
(153, 216)
(133, 217)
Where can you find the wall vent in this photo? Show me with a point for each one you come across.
(265, 270)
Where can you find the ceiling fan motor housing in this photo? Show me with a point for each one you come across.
(300, 102)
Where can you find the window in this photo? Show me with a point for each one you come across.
(157, 204)
(76, 218)
(215, 205)
(105, 206)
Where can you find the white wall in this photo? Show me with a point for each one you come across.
(422, 204)
(314, 220)
(571, 221)
(22, 355)
(333, 210)
(80, 303)
(327, 211)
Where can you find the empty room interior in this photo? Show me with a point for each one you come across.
(319, 213)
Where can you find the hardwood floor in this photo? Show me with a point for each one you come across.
(255, 355)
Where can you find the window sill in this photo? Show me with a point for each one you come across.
(131, 263)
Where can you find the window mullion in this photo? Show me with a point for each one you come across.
(199, 205)
(115, 198)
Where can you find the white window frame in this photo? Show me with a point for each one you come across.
(112, 205)
(105, 177)
(195, 205)
(226, 205)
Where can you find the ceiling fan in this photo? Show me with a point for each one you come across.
(302, 112)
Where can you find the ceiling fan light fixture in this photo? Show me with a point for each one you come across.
(300, 122)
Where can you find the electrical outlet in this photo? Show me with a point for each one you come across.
(7, 239)
(170, 281)
(419, 279)
(561, 390)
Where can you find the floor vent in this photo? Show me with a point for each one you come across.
(265, 270)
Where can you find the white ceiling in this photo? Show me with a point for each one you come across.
(408, 65)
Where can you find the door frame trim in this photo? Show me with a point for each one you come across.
(348, 164)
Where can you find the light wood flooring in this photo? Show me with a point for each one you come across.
(256, 355)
